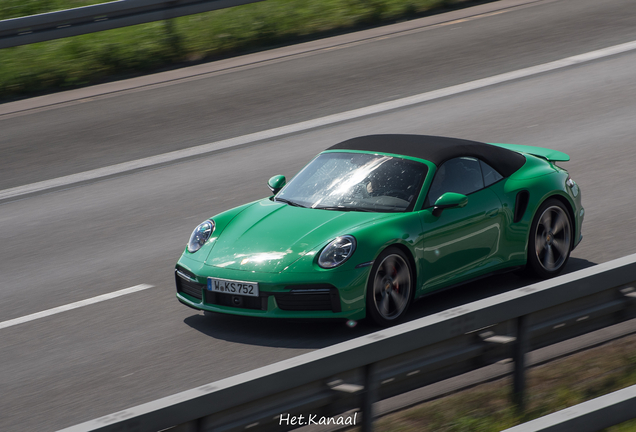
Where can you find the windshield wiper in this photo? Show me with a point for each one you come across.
(346, 209)
(291, 203)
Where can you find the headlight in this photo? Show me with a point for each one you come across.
(200, 235)
(337, 252)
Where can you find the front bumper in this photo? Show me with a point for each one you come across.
(328, 294)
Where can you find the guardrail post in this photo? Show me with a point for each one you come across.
(369, 396)
(519, 358)
(191, 426)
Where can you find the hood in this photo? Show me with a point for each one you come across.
(270, 236)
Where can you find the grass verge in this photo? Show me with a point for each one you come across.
(551, 387)
(130, 51)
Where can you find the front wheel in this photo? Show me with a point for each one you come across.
(390, 287)
(550, 239)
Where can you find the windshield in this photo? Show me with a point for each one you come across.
(356, 181)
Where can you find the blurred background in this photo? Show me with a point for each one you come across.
(120, 53)
(81, 216)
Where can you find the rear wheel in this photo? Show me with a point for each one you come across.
(550, 239)
(390, 287)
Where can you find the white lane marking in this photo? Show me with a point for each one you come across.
(311, 124)
(75, 305)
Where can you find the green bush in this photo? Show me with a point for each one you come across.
(92, 58)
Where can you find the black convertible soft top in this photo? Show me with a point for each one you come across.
(436, 149)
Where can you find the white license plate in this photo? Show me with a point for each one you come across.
(233, 287)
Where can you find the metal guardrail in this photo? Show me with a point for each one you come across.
(105, 16)
(590, 416)
(356, 373)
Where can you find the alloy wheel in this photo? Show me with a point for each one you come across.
(552, 238)
(392, 287)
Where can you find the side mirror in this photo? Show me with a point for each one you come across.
(276, 183)
(449, 200)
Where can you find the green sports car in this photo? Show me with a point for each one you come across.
(375, 222)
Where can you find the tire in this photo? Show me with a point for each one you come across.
(550, 239)
(390, 287)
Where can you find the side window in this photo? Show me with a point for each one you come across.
(461, 175)
(490, 175)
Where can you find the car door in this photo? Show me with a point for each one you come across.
(462, 242)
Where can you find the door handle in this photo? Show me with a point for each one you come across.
(492, 213)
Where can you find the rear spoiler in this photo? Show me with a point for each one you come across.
(548, 154)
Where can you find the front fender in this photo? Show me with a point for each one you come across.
(400, 229)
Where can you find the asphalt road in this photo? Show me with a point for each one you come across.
(68, 245)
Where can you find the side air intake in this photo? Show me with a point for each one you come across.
(521, 204)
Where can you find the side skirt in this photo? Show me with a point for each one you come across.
(494, 273)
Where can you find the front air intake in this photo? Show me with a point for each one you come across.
(318, 297)
(186, 284)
